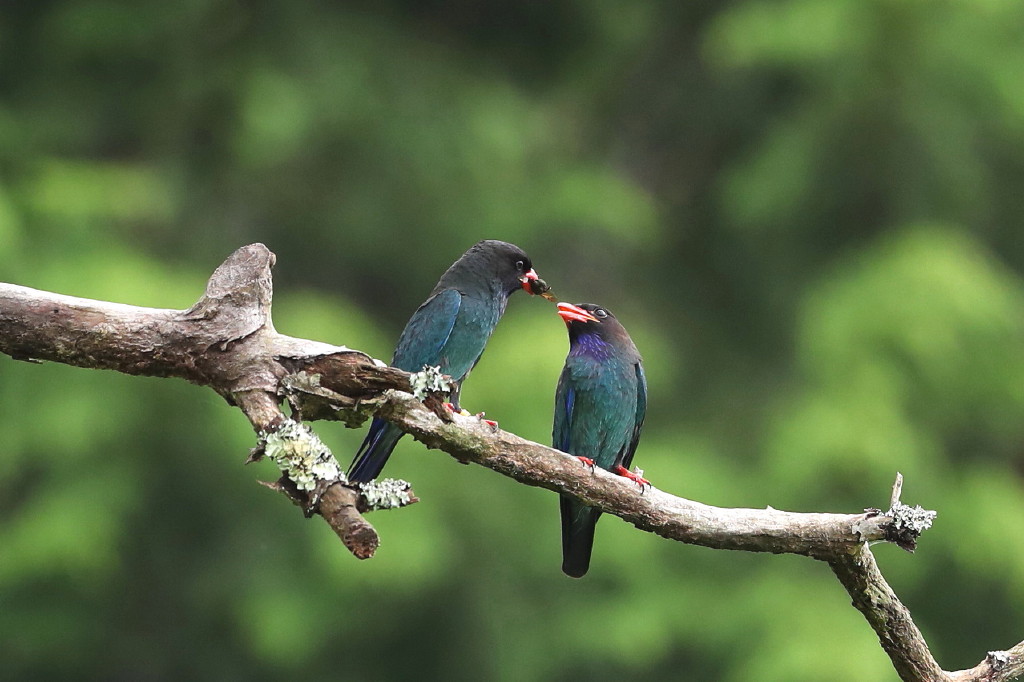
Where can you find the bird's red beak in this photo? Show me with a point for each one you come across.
(570, 313)
(526, 279)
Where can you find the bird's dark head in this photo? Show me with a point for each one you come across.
(589, 320)
(504, 264)
(586, 318)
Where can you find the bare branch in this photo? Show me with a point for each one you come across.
(227, 341)
(889, 618)
(900, 637)
(469, 439)
(998, 666)
(897, 490)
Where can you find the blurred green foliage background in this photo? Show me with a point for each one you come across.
(807, 214)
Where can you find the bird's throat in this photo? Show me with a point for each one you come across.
(592, 346)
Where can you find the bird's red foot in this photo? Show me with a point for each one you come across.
(490, 422)
(456, 410)
(636, 478)
(586, 461)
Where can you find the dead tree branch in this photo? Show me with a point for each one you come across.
(226, 341)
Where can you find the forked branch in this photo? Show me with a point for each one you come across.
(226, 341)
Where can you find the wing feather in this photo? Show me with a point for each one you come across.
(427, 331)
(639, 415)
(565, 397)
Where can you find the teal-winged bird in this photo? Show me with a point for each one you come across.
(600, 405)
(450, 329)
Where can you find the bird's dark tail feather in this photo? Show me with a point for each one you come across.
(578, 523)
(374, 452)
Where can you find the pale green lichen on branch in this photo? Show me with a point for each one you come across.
(301, 455)
(429, 380)
(913, 519)
(390, 493)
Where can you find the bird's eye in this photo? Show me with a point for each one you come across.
(601, 313)
(520, 265)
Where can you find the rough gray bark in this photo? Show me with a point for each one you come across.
(227, 341)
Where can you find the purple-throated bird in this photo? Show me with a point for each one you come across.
(600, 405)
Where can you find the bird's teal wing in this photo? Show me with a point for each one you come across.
(421, 344)
(427, 331)
(641, 412)
(561, 432)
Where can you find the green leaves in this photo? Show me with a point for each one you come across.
(807, 214)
